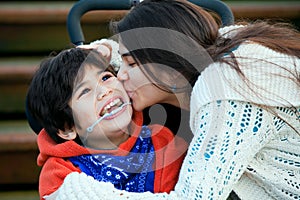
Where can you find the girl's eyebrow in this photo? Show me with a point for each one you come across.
(124, 54)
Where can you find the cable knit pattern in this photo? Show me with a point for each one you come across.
(237, 145)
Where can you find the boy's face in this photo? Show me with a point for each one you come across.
(97, 93)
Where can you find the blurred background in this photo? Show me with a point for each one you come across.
(30, 31)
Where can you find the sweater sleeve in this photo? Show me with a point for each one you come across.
(116, 59)
(217, 156)
(53, 174)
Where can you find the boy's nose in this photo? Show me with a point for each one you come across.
(103, 92)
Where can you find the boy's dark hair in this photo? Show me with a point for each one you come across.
(52, 85)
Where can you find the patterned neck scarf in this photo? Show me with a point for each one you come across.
(133, 172)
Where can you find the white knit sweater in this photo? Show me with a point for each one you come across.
(237, 145)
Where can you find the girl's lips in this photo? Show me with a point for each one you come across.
(130, 93)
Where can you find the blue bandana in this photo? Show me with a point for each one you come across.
(133, 172)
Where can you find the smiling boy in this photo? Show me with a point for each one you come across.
(108, 94)
(90, 126)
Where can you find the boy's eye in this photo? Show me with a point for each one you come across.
(106, 77)
(83, 92)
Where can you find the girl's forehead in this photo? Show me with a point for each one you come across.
(123, 50)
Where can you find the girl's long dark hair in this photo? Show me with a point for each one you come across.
(201, 27)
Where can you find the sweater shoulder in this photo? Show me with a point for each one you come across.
(265, 72)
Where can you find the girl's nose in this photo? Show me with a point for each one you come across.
(103, 92)
(123, 73)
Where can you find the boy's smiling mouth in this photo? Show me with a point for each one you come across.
(111, 106)
(111, 109)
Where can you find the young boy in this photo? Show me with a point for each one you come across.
(90, 127)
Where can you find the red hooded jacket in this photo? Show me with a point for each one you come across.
(53, 157)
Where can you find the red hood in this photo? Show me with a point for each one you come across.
(49, 148)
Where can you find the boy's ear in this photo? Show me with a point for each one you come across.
(69, 134)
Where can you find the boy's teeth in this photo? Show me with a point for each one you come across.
(116, 102)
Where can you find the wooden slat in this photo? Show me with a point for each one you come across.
(56, 12)
(265, 9)
(50, 12)
(11, 142)
(16, 73)
(20, 194)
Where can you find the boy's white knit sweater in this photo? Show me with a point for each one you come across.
(238, 143)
